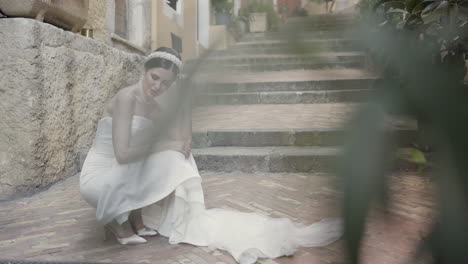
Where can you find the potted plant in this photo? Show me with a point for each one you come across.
(260, 16)
(223, 11)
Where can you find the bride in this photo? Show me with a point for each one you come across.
(142, 179)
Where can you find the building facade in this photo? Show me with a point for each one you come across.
(143, 25)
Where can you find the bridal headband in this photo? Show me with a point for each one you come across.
(166, 56)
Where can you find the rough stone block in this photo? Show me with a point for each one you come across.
(54, 86)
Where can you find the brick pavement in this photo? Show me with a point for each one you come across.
(59, 225)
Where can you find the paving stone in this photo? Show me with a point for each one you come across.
(306, 198)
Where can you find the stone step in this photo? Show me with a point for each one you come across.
(288, 42)
(280, 62)
(302, 137)
(294, 50)
(266, 159)
(282, 66)
(318, 25)
(277, 117)
(298, 97)
(274, 159)
(282, 58)
(324, 23)
(313, 27)
(293, 80)
(319, 21)
(334, 18)
(289, 86)
(295, 34)
(290, 47)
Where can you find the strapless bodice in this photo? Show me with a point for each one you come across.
(141, 126)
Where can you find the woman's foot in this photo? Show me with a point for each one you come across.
(124, 234)
(146, 232)
(139, 228)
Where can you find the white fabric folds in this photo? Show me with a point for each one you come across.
(168, 188)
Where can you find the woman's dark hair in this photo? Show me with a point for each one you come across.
(163, 63)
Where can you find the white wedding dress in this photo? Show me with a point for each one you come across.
(168, 188)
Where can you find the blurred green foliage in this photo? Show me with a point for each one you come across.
(222, 6)
(419, 48)
(365, 7)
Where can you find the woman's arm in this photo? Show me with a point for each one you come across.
(182, 130)
(122, 115)
(186, 130)
(179, 124)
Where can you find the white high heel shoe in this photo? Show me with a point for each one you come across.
(131, 240)
(146, 232)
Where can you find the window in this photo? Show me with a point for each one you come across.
(176, 42)
(173, 9)
(172, 4)
(121, 18)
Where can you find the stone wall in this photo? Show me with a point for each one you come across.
(54, 86)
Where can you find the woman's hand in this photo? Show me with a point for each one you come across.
(168, 145)
(176, 145)
(186, 149)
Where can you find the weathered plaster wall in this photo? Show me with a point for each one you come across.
(97, 20)
(182, 23)
(54, 86)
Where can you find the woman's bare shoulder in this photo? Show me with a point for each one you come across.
(124, 96)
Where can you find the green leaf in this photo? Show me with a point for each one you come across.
(397, 10)
(434, 11)
(411, 4)
(413, 20)
(380, 3)
(419, 8)
(383, 23)
(417, 156)
(400, 25)
(463, 10)
(412, 155)
(463, 4)
(395, 4)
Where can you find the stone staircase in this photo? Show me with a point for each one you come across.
(278, 62)
(262, 107)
